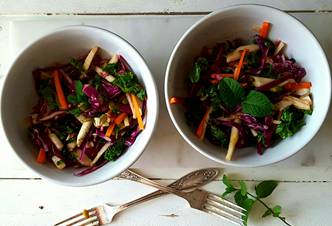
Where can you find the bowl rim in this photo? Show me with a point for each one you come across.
(197, 24)
(154, 118)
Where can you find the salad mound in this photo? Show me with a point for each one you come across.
(246, 94)
(88, 113)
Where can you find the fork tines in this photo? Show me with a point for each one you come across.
(79, 219)
(220, 207)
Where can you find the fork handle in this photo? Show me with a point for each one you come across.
(130, 175)
(194, 179)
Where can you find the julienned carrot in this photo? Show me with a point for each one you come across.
(61, 97)
(200, 131)
(110, 129)
(176, 100)
(239, 66)
(41, 158)
(264, 30)
(137, 112)
(296, 86)
(120, 118)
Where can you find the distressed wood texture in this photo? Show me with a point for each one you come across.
(147, 6)
(36, 202)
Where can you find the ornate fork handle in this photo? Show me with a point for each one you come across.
(191, 180)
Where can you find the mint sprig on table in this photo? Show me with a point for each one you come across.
(246, 200)
(255, 103)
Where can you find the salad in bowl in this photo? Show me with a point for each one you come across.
(246, 94)
(89, 111)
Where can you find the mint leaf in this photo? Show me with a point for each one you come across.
(239, 198)
(227, 182)
(276, 211)
(247, 205)
(257, 104)
(199, 66)
(227, 191)
(265, 188)
(230, 92)
(243, 188)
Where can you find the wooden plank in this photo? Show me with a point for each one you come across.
(310, 164)
(141, 6)
(35, 202)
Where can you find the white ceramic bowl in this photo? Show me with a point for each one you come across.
(18, 97)
(237, 22)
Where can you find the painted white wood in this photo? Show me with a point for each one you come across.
(35, 202)
(167, 149)
(147, 6)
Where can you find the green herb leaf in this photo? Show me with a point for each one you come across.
(219, 135)
(128, 83)
(257, 104)
(199, 66)
(111, 68)
(276, 211)
(230, 92)
(96, 81)
(243, 188)
(113, 152)
(228, 190)
(75, 111)
(72, 99)
(49, 95)
(265, 188)
(227, 182)
(239, 198)
(292, 120)
(76, 64)
(247, 205)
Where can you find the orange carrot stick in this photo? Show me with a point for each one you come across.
(110, 129)
(137, 112)
(296, 86)
(200, 131)
(120, 118)
(239, 66)
(61, 97)
(264, 30)
(41, 158)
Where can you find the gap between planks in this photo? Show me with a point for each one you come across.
(193, 13)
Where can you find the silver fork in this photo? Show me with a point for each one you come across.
(103, 214)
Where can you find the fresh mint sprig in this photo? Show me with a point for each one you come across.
(246, 200)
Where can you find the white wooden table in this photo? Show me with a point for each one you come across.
(305, 189)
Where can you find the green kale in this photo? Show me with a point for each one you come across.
(292, 120)
(49, 95)
(96, 81)
(200, 66)
(218, 135)
(76, 64)
(129, 83)
(111, 68)
(252, 59)
(113, 152)
(80, 97)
